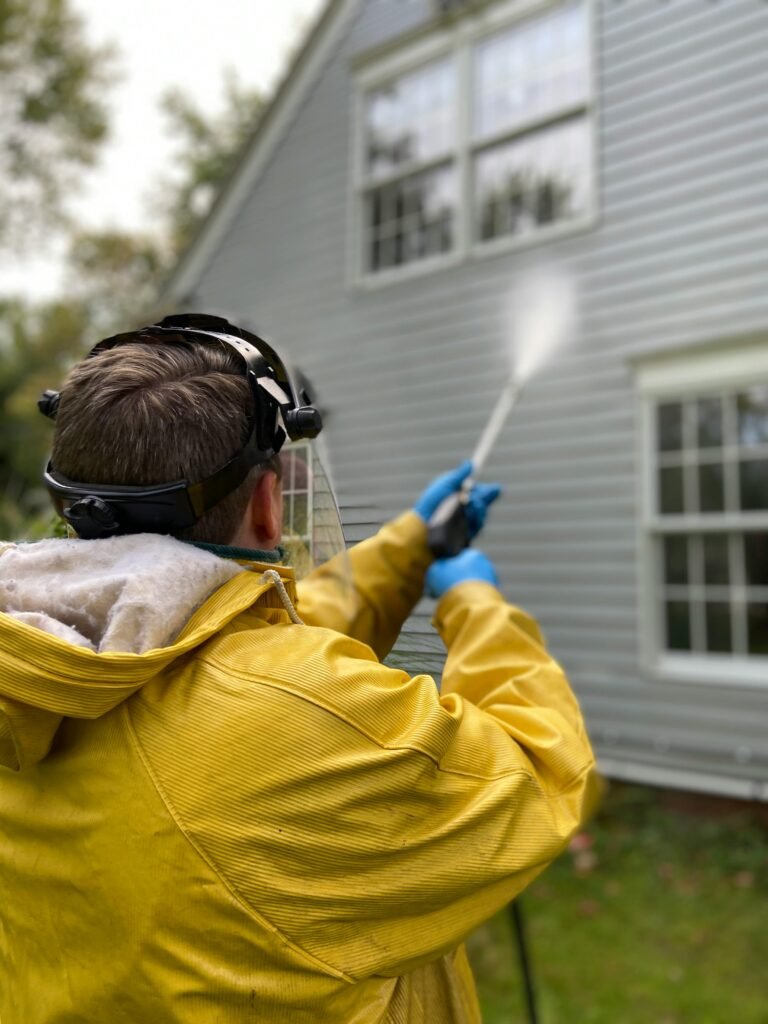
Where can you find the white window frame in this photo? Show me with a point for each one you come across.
(304, 450)
(673, 377)
(457, 8)
(458, 38)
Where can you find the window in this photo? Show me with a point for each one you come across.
(532, 163)
(712, 454)
(485, 134)
(707, 515)
(451, 6)
(312, 529)
(297, 495)
(412, 196)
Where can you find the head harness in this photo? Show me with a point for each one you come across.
(280, 409)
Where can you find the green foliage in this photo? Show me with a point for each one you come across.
(53, 120)
(665, 926)
(37, 344)
(115, 275)
(207, 153)
(52, 114)
(112, 280)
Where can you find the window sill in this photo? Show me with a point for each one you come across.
(478, 251)
(714, 670)
(513, 243)
(407, 272)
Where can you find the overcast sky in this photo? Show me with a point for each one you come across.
(160, 44)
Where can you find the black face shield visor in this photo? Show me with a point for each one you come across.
(280, 409)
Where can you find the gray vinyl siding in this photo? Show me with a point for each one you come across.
(409, 371)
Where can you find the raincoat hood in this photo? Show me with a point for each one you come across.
(78, 621)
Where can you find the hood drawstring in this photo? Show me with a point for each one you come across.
(272, 576)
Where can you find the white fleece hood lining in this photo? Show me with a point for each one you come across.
(122, 594)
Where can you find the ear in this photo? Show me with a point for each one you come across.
(265, 511)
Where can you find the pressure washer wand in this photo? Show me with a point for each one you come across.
(506, 402)
(449, 526)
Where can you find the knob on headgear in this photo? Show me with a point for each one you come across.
(92, 518)
(48, 403)
(304, 422)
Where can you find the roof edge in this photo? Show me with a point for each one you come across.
(256, 152)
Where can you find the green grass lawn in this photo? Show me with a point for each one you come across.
(667, 925)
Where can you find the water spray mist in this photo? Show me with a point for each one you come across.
(542, 315)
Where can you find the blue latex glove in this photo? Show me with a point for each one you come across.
(446, 573)
(439, 489)
(480, 497)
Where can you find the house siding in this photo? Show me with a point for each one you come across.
(409, 370)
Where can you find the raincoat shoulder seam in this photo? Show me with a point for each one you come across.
(205, 856)
(264, 680)
(277, 684)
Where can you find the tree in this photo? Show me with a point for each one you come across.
(37, 344)
(209, 145)
(114, 275)
(111, 284)
(52, 114)
(117, 274)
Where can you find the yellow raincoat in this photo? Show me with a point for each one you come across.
(258, 821)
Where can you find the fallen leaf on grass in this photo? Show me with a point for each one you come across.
(582, 851)
(744, 880)
(589, 908)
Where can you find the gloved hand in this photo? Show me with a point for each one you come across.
(480, 497)
(446, 573)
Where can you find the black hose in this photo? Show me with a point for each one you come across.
(518, 923)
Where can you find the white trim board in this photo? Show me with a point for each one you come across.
(681, 371)
(679, 778)
(333, 20)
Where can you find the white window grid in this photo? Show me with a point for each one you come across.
(297, 487)
(458, 42)
(703, 373)
(731, 523)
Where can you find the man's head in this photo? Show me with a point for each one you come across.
(165, 407)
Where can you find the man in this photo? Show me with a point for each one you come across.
(216, 804)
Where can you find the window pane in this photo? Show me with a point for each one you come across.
(411, 119)
(718, 614)
(757, 628)
(753, 476)
(753, 417)
(711, 489)
(420, 210)
(756, 559)
(375, 211)
(678, 626)
(671, 490)
(300, 515)
(709, 414)
(716, 567)
(386, 254)
(676, 559)
(533, 69)
(669, 421)
(542, 178)
(439, 237)
(294, 469)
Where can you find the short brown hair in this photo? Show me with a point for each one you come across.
(144, 414)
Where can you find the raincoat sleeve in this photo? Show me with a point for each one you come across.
(406, 817)
(368, 592)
